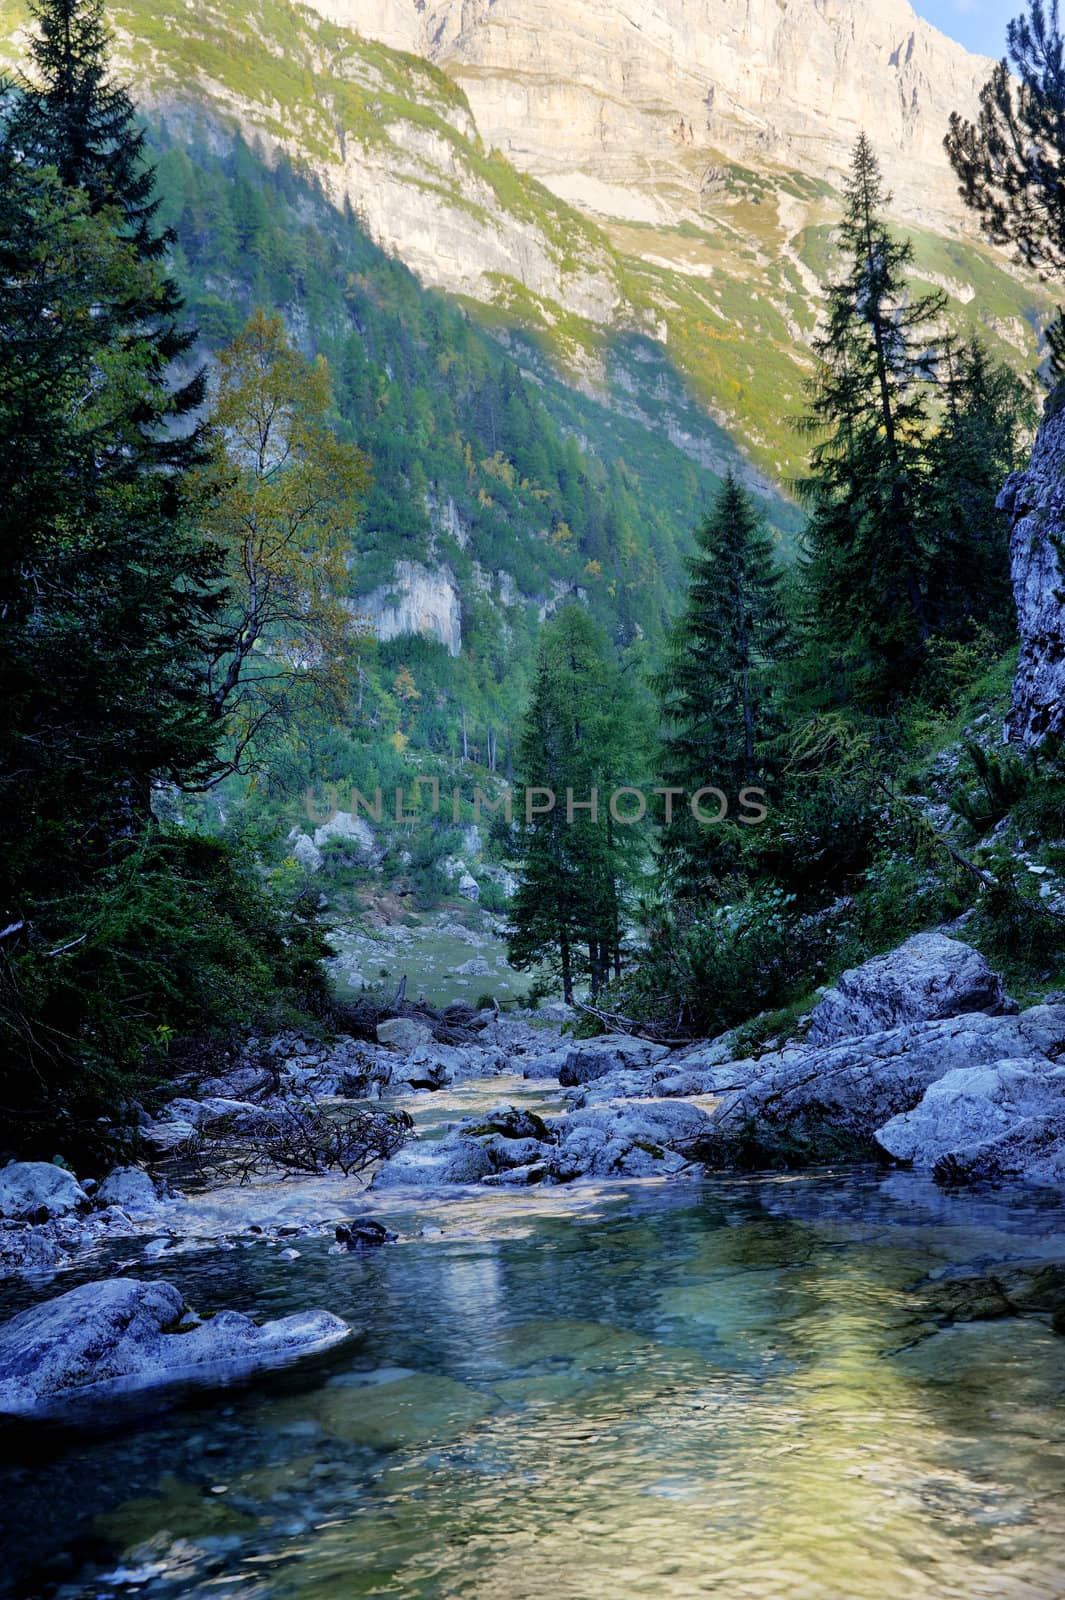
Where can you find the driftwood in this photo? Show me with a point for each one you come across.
(614, 1022)
(294, 1136)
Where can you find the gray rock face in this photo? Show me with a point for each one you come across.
(116, 1338)
(307, 853)
(928, 977)
(858, 1085)
(31, 1190)
(1007, 1119)
(1035, 502)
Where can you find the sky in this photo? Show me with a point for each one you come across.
(980, 24)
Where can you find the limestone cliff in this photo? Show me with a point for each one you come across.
(601, 98)
(1035, 499)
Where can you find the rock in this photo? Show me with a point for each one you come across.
(433, 1163)
(118, 1338)
(510, 1122)
(403, 1033)
(469, 888)
(1035, 502)
(1002, 1120)
(32, 1191)
(307, 853)
(130, 1188)
(854, 1088)
(629, 1139)
(594, 1058)
(355, 831)
(928, 977)
(476, 967)
(364, 1233)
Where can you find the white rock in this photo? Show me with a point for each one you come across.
(1004, 1119)
(111, 1339)
(307, 853)
(29, 1187)
(468, 887)
(130, 1188)
(353, 830)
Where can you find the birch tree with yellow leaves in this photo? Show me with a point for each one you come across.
(283, 496)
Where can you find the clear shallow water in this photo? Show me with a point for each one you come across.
(724, 1388)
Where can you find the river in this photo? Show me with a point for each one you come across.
(721, 1386)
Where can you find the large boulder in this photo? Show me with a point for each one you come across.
(594, 1058)
(1002, 1120)
(929, 977)
(855, 1087)
(355, 832)
(107, 1340)
(132, 1189)
(31, 1191)
(626, 1139)
(435, 1163)
(404, 1033)
(1035, 502)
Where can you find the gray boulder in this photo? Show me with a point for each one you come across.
(107, 1340)
(403, 1033)
(857, 1086)
(626, 1139)
(34, 1190)
(594, 1058)
(131, 1189)
(1002, 1120)
(929, 977)
(435, 1163)
(354, 831)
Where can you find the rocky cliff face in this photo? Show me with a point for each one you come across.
(417, 601)
(596, 97)
(1035, 499)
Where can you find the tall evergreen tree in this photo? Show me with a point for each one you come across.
(715, 689)
(869, 415)
(1011, 161)
(70, 115)
(987, 414)
(575, 868)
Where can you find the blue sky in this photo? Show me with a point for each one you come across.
(980, 24)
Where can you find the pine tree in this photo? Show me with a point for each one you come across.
(71, 116)
(715, 690)
(577, 733)
(869, 412)
(1011, 161)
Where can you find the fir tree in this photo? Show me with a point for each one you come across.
(715, 690)
(575, 867)
(869, 412)
(71, 116)
(987, 413)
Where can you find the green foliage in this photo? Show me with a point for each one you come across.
(716, 687)
(575, 868)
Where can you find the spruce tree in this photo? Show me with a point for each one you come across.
(869, 413)
(70, 115)
(716, 690)
(577, 736)
(987, 413)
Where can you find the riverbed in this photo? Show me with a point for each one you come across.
(725, 1386)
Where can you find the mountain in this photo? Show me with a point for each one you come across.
(616, 216)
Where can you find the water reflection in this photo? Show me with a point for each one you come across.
(727, 1389)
